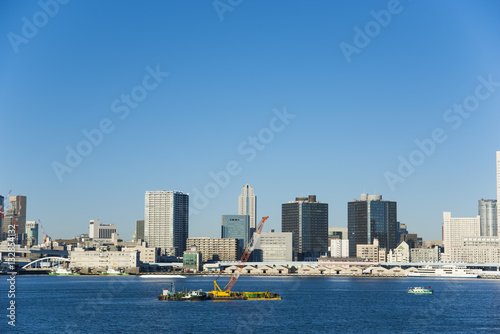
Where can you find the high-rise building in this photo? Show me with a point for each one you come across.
(101, 231)
(308, 220)
(337, 233)
(247, 205)
(412, 240)
(455, 230)
(94, 228)
(498, 186)
(237, 227)
(106, 231)
(487, 209)
(372, 218)
(166, 220)
(339, 247)
(16, 215)
(338, 242)
(274, 247)
(32, 233)
(402, 230)
(139, 230)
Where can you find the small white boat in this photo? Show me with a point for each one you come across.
(63, 271)
(112, 271)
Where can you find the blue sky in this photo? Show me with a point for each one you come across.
(226, 81)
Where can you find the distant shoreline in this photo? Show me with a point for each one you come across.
(24, 273)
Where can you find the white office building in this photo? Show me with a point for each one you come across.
(98, 231)
(339, 247)
(247, 205)
(274, 247)
(455, 230)
(166, 219)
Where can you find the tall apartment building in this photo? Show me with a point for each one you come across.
(247, 205)
(308, 220)
(487, 210)
(455, 230)
(166, 220)
(215, 249)
(372, 218)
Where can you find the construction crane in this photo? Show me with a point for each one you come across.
(244, 258)
(45, 235)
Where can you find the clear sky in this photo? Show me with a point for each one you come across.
(180, 89)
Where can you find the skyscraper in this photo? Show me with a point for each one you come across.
(308, 220)
(166, 219)
(372, 218)
(139, 230)
(16, 215)
(487, 209)
(247, 205)
(237, 227)
(32, 233)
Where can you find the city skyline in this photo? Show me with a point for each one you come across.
(176, 98)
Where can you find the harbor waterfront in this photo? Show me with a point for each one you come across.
(129, 304)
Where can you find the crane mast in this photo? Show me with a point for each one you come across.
(246, 254)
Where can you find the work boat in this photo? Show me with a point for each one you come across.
(170, 294)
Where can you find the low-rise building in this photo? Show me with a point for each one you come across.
(425, 254)
(146, 254)
(477, 250)
(191, 260)
(371, 252)
(400, 254)
(215, 249)
(103, 258)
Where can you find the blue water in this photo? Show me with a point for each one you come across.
(101, 304)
